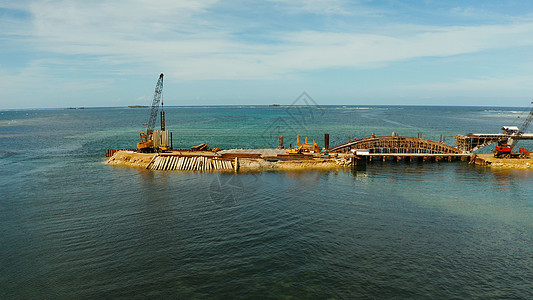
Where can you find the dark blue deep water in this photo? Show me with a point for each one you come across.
(75, 228)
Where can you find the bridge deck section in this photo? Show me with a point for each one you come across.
(474, 141)
(396, 144)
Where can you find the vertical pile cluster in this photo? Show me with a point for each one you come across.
(196, 163)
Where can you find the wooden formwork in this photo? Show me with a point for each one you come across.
(396, 144)
(471, 142)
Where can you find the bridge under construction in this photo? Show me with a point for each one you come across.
(375, 147)
(474, 141)
(465, 145)
(395, 145)
(404, 147)
(399, 148)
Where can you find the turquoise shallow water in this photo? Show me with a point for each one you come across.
(73, 227)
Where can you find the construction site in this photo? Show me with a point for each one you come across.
(155, 150)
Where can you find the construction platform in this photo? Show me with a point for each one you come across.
(474, 141)
(230, 160)
(355, 152)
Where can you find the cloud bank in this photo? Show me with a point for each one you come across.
(211, 40)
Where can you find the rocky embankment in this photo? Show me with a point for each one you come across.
(130, 159)
(510, 163)
(143, 160)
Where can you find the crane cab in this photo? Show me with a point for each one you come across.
(510, 130)
(145, 145)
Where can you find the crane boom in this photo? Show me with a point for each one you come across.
(147, 143)
(155, 106)
(526, 122)
(523, 128)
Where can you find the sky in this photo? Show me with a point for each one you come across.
(110, 53)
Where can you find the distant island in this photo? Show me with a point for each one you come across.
(137, 106)
(274, 105)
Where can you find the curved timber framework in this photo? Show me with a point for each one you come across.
(396, 144)
(472, 142)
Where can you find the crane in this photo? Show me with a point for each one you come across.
(526, 122)
(147, 144)
(505, 149)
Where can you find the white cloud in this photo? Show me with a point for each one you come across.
(505, 85)
(317, 50)
(330, 7)
(176, 34)
(193, 40)
(37, 82)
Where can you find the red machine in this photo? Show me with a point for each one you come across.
(504, 149)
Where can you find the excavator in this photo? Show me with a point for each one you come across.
(504, 149)
(147, 137)
(305, 147)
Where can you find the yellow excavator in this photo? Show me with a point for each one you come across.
(305, 147)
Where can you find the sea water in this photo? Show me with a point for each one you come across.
(74, 227)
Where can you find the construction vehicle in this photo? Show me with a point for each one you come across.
(151, 142)
(305, 147)
(504, 149)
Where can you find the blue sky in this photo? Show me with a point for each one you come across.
(110, 53)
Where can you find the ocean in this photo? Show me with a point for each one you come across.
(73, 227)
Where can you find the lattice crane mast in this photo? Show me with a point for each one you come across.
(527, 122)
(147, 144)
